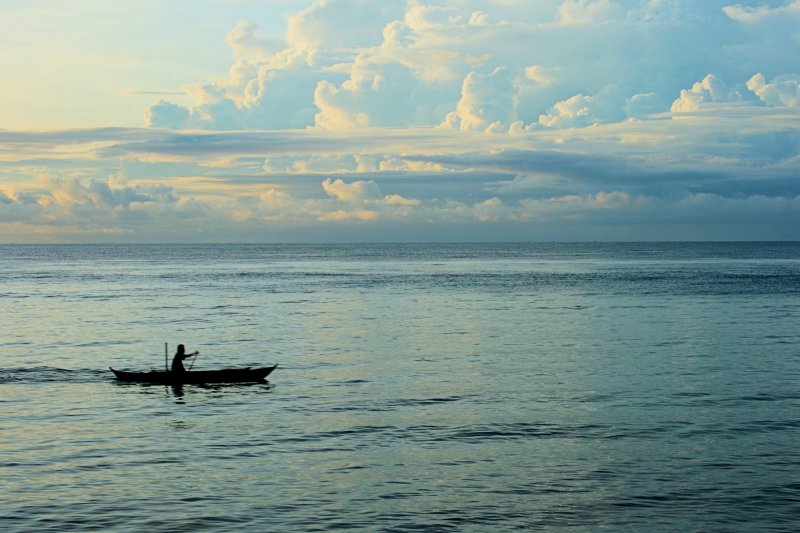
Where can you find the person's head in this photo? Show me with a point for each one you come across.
(181, 348)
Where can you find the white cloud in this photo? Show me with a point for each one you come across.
(247, 46)
(581, 205)
(588, 11)
(276, 199)
(165, 114)
(572, 112)
(643, 104)
(541, 75)
(340, 24)
(491, 210)
(761, 13)
(396, 199)
(111, 193)
(335, 107)
(483, 64)
(54, 205)
(710, 89)
(485, 100)
(357, 192)
(781, 91)
(478, 18)
(394, 163)
(558, 113)
(362, 215)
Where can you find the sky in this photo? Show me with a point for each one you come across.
(399, 120)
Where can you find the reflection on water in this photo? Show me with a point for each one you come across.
(177, 391)
(208, 390)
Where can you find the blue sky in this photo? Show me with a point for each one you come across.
(399, 120)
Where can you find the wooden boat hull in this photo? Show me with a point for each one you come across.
(227, 375)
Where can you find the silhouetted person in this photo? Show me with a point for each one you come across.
(177, 361)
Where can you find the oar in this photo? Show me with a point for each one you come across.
(195, 354)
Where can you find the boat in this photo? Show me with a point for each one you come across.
(197, 377)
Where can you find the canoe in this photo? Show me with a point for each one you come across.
(227, 375)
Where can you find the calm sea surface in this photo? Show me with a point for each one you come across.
(535, 387)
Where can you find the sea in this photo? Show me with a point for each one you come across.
(420, 387)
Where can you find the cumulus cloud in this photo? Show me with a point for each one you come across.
(485, 101)
(165, 114)
(710, 89)
(643, 104)
(461, 65)
(364, 192)
(247, 46)
(572, 112)
(357, 192)
(330, 24)
(781, 91)
(336, 111)
(475, 113)
(541, 75)
(111, 193)
(396, 199)
(90, 206)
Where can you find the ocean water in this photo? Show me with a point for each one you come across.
(464, 387)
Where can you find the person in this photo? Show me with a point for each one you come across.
(180, 355)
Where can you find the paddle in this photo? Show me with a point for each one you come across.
(195, 354)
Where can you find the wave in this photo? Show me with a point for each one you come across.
(49, 374)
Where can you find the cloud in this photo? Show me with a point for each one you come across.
(762, 13)
(363, 215)
(275, 88)
(468, 119)
(165, 114)
(336, 109)
(247, 46)
(357, 192)
(583, 206)
(643, 104)
(490, 119)
(461, 64)
(73, 206)
(396, 199)
(572, 112)
(329, 24)
(781, 91)
(541, 75)
(710, 89)
(485, 101)
(95, 194)
(588, 11)
(360, 193)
